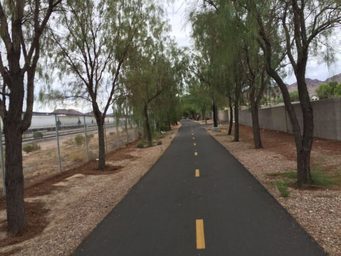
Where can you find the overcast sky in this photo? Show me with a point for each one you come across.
(178, 13)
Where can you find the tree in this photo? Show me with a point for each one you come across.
(22, 24)
(217, 37)
(295, 26)
(149, 75)
(329, 90)
(92, 47)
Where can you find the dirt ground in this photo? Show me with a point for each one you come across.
(63, 209)
(317, 209)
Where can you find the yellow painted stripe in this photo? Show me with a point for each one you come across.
(193, 138)
(197, 173)
(200, 234)
(194, 144)
(195, 153)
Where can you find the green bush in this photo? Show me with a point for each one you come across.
(294, 96)
(337, 90)
(140, 144)
(329, 90)
(80, 140)
(31, 147)
(324, 91)
(321, 179)
(37, 135)
(282, 187)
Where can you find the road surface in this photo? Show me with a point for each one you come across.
(198, 200)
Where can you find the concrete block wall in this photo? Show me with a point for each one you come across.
(327, 118)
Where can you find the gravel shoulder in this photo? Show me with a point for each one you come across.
(317, 210)
(64, 209)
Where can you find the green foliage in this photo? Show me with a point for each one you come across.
(79, 139)
(294, 96)
(31, 147)
(337, 90)
(282, 187)
(152, 79)
(329, 90)
(37, 135)
(324, 91)
(141, 144)
(321, 179)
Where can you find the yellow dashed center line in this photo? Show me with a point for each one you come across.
(193, 138)
(200, 234)
(196, 153)
(197, 173)
(194, 144)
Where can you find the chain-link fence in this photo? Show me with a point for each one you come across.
(56, 143)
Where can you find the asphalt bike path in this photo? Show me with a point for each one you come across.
(198, 200)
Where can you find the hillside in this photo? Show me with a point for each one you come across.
(313, 84)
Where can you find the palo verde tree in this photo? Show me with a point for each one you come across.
(90, 49)
(299, 28)
(22, 24)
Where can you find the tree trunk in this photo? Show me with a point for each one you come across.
(236, 122)
(231, 117)
(215, 114)
(236, 112)
(304, 151)
(147, 130)
(126, 127)
(255, 126)
(303, 142)
(14, 179)
(203, 114)
(101, 145)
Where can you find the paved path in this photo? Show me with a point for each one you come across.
(223, 212)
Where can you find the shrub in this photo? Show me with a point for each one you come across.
(79, 139)
(37, 135)
(159, 142)
(89, 137)
(294, 96)
(321, 179)
(337, 90)
(324, 91)
(282, 187)
(31, 147)
(140, 144)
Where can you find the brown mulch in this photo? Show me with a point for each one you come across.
(284, 144)
(36, 212)
(36, 222)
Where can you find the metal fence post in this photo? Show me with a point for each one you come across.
(58, 145)
(86, 138)
(2, 162)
